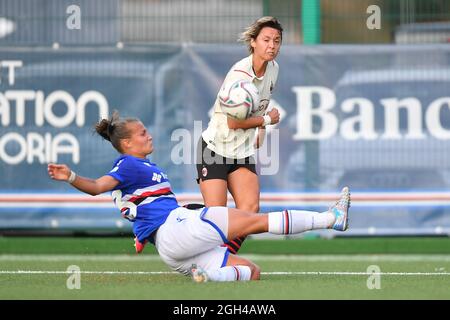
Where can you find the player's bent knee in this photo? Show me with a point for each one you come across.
(256, 272)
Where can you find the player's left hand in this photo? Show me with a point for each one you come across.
(58, 171)
(274, 114)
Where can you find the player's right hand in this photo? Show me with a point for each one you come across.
(274, 115)
(58, 171)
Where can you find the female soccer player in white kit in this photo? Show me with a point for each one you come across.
(225, 158)
(188, 241)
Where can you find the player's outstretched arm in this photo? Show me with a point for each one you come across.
(62, 172)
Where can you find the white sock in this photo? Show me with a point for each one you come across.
(296, 221)
(230, 273)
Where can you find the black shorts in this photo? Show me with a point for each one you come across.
(213, 166)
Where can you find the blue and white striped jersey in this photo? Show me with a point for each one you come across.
(143, 195)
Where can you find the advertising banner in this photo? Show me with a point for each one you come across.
(374, 118)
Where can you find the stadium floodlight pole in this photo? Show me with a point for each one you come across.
(311, 21)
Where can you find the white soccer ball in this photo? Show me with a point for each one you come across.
(239, 99)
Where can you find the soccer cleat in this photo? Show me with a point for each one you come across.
(340, 210)
(139, 245)
(198, 274)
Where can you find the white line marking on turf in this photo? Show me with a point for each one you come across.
(345, 273)
(312, 273)
(256, 257)
(84, 272)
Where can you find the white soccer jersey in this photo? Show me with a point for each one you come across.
(238, 144)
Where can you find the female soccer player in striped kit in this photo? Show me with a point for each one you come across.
(225, 159)
(188, 241)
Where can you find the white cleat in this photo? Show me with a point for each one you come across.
(198, 274)
(340, 210)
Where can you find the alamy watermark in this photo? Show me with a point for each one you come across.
(188, 151)
(374, 280)
(73, 21)
(373, 22)
(74, 280)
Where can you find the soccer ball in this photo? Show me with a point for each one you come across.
(239, 99)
